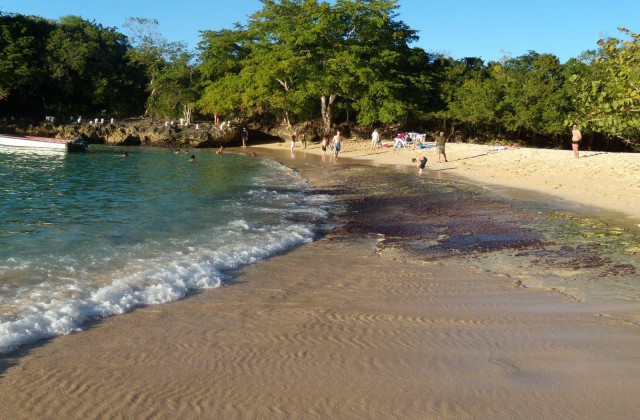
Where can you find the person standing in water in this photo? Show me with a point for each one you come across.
(337, 143)
(576, 138)
(245, 137)
(293, 142)
(421, 163)
(324, 144)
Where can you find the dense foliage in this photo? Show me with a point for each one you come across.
(608, 90)
(65, 67)
(296, 60)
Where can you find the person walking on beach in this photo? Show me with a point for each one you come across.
(293, 142)
(337, 144)
(421, 163)
(304, 141)
(441, 140)
(576, 137)
(245, 137)
(324, 144)
(375, 138)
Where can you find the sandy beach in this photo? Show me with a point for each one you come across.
(602, 180)
(378, 319)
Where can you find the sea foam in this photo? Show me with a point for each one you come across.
(55, 292)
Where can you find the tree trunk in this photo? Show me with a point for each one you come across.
(187, 112)
(326, 108)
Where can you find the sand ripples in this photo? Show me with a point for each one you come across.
(334, 330)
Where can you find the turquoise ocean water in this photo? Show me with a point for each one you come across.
(84, 236)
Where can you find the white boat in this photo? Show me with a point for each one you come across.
(48, 143)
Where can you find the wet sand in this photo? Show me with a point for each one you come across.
(602, 180)
(371, 321)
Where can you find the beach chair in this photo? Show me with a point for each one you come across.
(411, 138)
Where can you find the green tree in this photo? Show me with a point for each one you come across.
(18, 54)
(22, 52)
(608, 98)
(296, 52)
(176, 89)
(477, 101)
(222, 57)
(535, 99)
(460, 90)
(90, 68)
(173, 80)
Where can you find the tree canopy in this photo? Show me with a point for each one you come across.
(608, 91)
(68, 66)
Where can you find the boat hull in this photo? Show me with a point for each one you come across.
(43, 143)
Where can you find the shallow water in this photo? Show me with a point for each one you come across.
(96, 234)
(590, 257)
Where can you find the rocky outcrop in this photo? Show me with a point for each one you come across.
(134, 132)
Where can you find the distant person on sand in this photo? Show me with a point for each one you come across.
(441, 140)
(293, 142)
(576, 137)
(375, 138)
(337, 143)
(245, 137)
(400, 141)
(421, 163)
(304, 141)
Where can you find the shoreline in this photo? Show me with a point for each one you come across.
(597, 181)
(350, 326)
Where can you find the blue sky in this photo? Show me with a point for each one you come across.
(489, 29)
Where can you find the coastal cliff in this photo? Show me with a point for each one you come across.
(131, 132)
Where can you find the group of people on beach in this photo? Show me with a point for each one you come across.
(334, 145)
(440, 141)
(294, 141)
(420, 161)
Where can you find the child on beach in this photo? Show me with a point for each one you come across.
(324, 144)
(422, 162)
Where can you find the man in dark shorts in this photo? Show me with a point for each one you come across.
(245, 137)
(576, 137)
